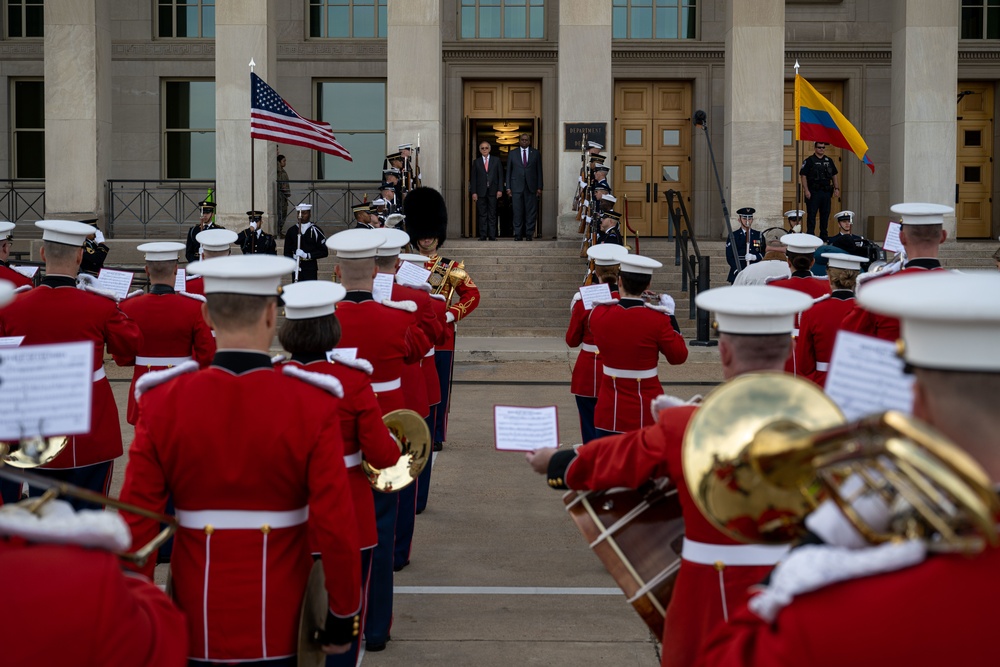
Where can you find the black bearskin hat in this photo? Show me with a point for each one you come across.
(426, 215)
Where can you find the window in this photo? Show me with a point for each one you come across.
(186, 18)
(24, 18)
(356, 111)
(347, 18)
(654, 19)
(189, 129)
(28, 128)
(980, 19)
(503, 19)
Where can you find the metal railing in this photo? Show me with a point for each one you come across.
(154, 208)
(686, 254)
(22, 199)
(331, 201)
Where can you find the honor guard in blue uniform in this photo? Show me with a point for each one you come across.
(845, 240)
(601, 176)
(362, 216)
(744, 253)
(610, 231)
(206, 221)
(305, 243)
(254, 240)
(393, 204)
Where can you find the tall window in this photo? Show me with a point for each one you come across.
(356, 110)
(24, 18)
(503, 19)
(980, 19)
(347, 18)
(654, 19)
(186, 18)
(28, 132)
(189, 129)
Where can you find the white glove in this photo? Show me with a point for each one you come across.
(667, 302)
(449, 317)
(253, 226)
(301, 254)
(749, 257)
(98, 236)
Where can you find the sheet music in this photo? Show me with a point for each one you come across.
(520, 429)
(181, 281)
(412, 274)
(115, 281)
(342, 353)
(891, 243)
(28, 271)
(382, 286)
(46, 389)
(594, 293)
(11, 341)
(866, 377)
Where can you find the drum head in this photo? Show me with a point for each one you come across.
(313, 618)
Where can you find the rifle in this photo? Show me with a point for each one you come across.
(581, 189)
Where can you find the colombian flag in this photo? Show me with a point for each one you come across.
(816, 119)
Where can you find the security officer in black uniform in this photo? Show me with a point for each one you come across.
(820, 184)
(207, 221)
(254, 240)
(740, 256)
(610, 231)
(305, 243)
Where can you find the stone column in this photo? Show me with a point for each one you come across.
(584, 29)
(244, 30)
(414, 85)
(77, 107)
(922, 136)
(754, 104)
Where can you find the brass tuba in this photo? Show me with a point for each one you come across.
(411, 434)
(765, 449)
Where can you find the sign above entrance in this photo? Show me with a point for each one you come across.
(574, 132)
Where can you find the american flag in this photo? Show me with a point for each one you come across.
(272, 118)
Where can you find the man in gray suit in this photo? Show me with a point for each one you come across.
(486, 187)
(524, 185)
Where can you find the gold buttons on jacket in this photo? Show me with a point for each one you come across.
(266, 528)
(209, 529)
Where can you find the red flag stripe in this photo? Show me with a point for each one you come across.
(284, 136)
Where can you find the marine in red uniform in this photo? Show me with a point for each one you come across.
(819, 325)
(588, 369)
(754, 326)
(58, 312)
(173, 329)
(310, 330)
(631, 336)
(911, 606)
(800, 249)
(921, 235)
(242, 553)
(213, 242)
(7, 273)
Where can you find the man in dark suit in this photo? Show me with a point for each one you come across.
(524, 185)
(486, 186)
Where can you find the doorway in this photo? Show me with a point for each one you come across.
(973, 192)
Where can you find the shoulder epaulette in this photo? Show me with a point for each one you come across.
(196, 297)
(606, 303)
(137, 292)
(773, 279)
(576, 297)
(821, 298)
(664, 401)
(357, 364)
(423, 287)
(439, 296)
(408, 306)
(23, 288)
(156, 378)
(277, 359)
(327, 383)
(658, 308)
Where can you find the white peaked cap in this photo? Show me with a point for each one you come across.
(841, 260)
(303, 207)
(311, 298)
(845, 214)
(949, 320)
(393, 240)
(161, 251)
(922, 214)
(754, 309)
(5, 229)
(405, 146)
(256, 275)
(795, 213)
(609, 197)
(67, 232)
(594, 144)
(801, 243)
(413, 258)
(6, 292)
(600, 166)
(379, 202)
(606, 254)
(638, 264)
(355, 243)
(216, 240)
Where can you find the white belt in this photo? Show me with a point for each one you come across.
(160, 361)
(387, 386)
(732, 554)
(822, 366)
(240, 519)
(430, 353)
(99, 374)
(352, 460)
(589, 347)
(628, 373)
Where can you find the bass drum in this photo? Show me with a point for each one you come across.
(637, 535)
(312, 618)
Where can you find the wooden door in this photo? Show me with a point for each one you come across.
(833, 91)
(973, 195)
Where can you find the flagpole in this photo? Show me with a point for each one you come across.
(253, 207)
(795, 138)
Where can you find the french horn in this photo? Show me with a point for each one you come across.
(411, 434)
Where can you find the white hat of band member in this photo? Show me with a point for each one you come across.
(607, 254)
(841, 260)
(795, 213)
(161, 251)
(6, 292)
(216, 240)
(414, 258)
(801, 243)
(311, 298)
(393, 240)
(845, 215)
(303, 207)
(66, 232)
(6, 229)
(256, 275)
(754, 309)
(922, 214)
(355, 243)
(949, 320)
(609, 197)
(638, 264)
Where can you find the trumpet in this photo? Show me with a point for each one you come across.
(765, 449)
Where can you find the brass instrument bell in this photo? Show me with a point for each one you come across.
(411, 434)
(446, 276)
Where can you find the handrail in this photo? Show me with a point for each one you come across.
(22, 199)
(696, 267)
